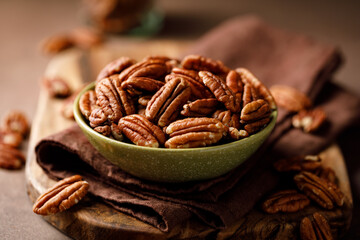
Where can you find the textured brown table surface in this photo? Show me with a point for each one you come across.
(23, 24)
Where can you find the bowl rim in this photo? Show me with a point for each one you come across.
(81, 121)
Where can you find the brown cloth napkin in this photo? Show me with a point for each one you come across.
(276, 57)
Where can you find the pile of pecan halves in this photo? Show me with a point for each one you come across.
(162, 102)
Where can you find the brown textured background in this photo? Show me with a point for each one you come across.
(23, 24)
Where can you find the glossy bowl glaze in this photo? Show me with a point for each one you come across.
(173, 165)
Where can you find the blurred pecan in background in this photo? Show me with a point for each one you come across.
(298, 163)
(10, 158)
(290, 98)
(57, 87)
(309, 120)
(63, 195)
(316, 228)
(15, 121)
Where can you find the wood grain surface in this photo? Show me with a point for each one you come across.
(91, 219)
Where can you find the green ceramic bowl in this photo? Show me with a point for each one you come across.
(173, 165)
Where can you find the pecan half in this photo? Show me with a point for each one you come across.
(10, 158)
(318, 228)
(144, 100)
(114, 101)
(285, 201)
(57, 87)
(233, 81)
(326, 173)
(116, 132)
(165, 105)
(228, 118)
(189, 73)
(104, 130)
(142, 84)
(155, 69)
(200, 107)
(258, 87)
(15, 121)
(97, 117)
(63, 195)
(237, 134)
(290, 98)
(56, 44)
(115, 67)
(13, 139)
(220, 90)
(257, 125)
(298, 163)
(309, 120)
(194, 132)
(169, 62)
(199, 63)
(141, 131)
(322, 192)
(255, 110)
(87, 103)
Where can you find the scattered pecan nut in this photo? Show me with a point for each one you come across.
(194, 132)
(115, 67)
(15, 121)
(57, 87)
(220, 90)
(298, 163)
(317, 228)
(290, 98)
(139, 130)
(200, 107)
(12, 139)
(166, 103)
(86, 37)
(63, 195)
(285, 201)
(326, 194)
(56, 44)
(10, 158)
(199, 63)
(309, 120)
(87, 103)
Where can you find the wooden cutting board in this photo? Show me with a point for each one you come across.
(91, 219)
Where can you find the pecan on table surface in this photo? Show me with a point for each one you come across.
(139, 130)
(15, 121)
(57, 87)
(115, 67)
(309, 120)
(326, 194)
(316, 228)
(12, 139)
(290, 98)
(10, 158)
(63, 195)
(285, 201)
(194, 132)
(165, 105)
(298, 163)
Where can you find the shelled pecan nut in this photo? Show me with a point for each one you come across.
(309, 120)
(317, 228)
(10, 158)
(87, 103)
(57, 87)
(200, 107)
(63, 195)
(115, 67)
(228, 118)
(233, 81)
(169, 62)
(142, 84)
(194, 132)
(97, 117)
(166, 103)
(116, 132)
(298, 163)
(188, 73)
(326, 173)
(56, 44)
(103, 130)
(15, 121)
(290, 98)
(285, 201)
(12, 139)
(237, 134)
(322, 192)
(144, 100)
(139, 130)
(155, 69)
(114, 101)
(220, 90)
(199, 63)
(255, 110)
(257, 125)
(258, 87)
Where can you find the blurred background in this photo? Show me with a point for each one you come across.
(25, 23)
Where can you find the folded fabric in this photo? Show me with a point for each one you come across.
(275, 57)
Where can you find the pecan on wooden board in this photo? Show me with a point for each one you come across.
(10, 158)
(298, 163)
(309, 120)
(139, 130)
(57, 87)
(290, 98)
(317, 228)
(15, 121)
(326, 194)
(63, 195)
(285, 201)
(194, 132)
